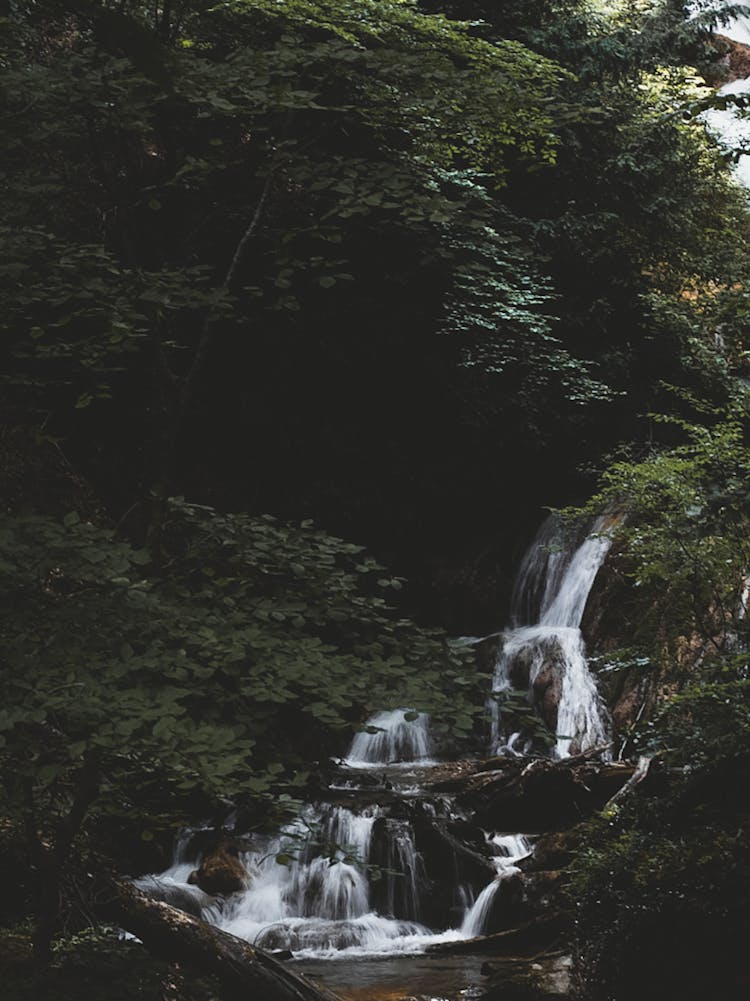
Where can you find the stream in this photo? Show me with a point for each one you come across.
(359, 887)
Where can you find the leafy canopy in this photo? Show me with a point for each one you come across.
(231, 674)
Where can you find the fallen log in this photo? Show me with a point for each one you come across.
(543, 795)
(480, 863)
(245, 972)
(641, 773)
(527, 939)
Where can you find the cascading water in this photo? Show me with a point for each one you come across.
(311, 889)
(174, 887)
(395, 737)
(510, 849)
(320, 902)
(543, 652)
(734, 129)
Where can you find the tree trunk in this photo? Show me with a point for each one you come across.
(50, 859)
(47, 911)
(245, 972)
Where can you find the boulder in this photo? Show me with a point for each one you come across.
(188, 899)
(220, 871)
(543, 978)
(552, 852)
(734, 62)
(547, 689)
(523, 897)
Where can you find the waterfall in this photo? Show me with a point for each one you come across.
(319, 904)
(323, 886)
(397, 740)
(730, 127)
(543, 652)
(403, 876)
(510, 848)
(351, 880)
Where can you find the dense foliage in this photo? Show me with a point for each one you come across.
(223, 680)
(393, 270)
(663, 884)
(251, 654)
(240, 222)
(683, 540)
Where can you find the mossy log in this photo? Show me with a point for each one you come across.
(528, 939)
(543, 795)
(244, 971)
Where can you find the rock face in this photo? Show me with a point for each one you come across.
(547, 689)
(220, 871)
(734, 61)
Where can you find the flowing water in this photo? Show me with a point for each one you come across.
(400, 737)
(510, 848)
(542, 654)
(378, 873)
(731, 128)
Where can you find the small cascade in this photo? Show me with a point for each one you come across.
(173, 886)
(320, 904)
(345, 881)
(543, 652)
(401, 886)
(399, 739)
(323, 880)
(476, 919)
(510, 848)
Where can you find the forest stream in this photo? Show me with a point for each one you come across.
(391, 864)
(362, 890)
(375, 500)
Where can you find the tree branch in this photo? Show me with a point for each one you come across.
(244, 971)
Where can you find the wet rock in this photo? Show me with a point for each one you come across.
(188, 899)
(547, 691)
(552, 851)
(625, 709)
(524, 897)
(544, 978)
(220, 871)
(282, 955)
(509, 908)
(734, 61)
